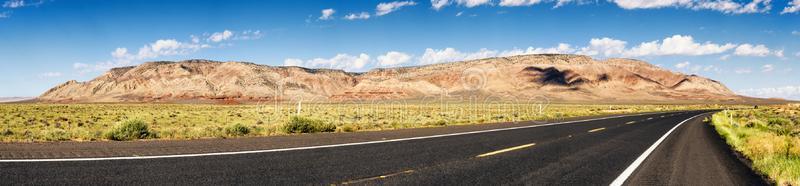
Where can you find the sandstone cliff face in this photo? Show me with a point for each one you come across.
(555, 77)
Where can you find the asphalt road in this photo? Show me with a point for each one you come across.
(584, 153)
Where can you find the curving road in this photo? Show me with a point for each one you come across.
(627, 150)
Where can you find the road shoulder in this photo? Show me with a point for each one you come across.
(694, 155)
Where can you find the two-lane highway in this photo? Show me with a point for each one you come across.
(584, 152)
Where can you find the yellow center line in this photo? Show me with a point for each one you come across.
(630, 122)
(377, 177)
(597, 129)
(506, 150)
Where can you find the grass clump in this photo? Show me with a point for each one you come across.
(56, 135)
(130, 130)
(237, 130)
(299, 124)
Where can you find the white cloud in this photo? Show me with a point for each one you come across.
(438, 4)
(473, 3)
(432, 56)
(50, 74)
(787, 92)
(767, 68)
(792, 7)
(14, 4)
(459, 14)
(327, 14)
(292, 62)
(166, 47)
(340, 61)
(248, 35)
(605, 46)
(795, 32)
(750, 50)
(393, 58)
(778, 53)
(639, 4)
(562, 48)
(725, 6)
(677, 45)
(220, 36)
(5, 14)
(226, 35)
(354, 16)
(682, 65)
(519, 2)
(386, 8)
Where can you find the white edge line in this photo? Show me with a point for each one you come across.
(628, 171)
(310, 147)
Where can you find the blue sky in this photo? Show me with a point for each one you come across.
(751, 46)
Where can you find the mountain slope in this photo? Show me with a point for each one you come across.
(554, 76)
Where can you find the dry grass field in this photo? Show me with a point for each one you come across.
(769, 137)
(91, 122)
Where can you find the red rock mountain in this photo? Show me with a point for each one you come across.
(555, 77)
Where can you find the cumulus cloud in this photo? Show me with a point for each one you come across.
(340, 61)
(787, 92)
(562, 48)
(292, 62)
(682, 64)
(756, 50)
(725, 6)
(393, 58)
(327, 14)
(165, 47)
(519, 2)
(792, 7)
(438, 4)
(433, 56)
(220, 36)
(386, 8)
(605, 46)
(677, 45)
(50, 74)
(354, 16)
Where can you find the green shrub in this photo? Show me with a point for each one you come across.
(299, 124)
(437, 123)
(6, 132)
(779, 122)
(130, 130)
(237, 130)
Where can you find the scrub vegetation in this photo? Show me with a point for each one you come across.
(769, 137)
(93, 122)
